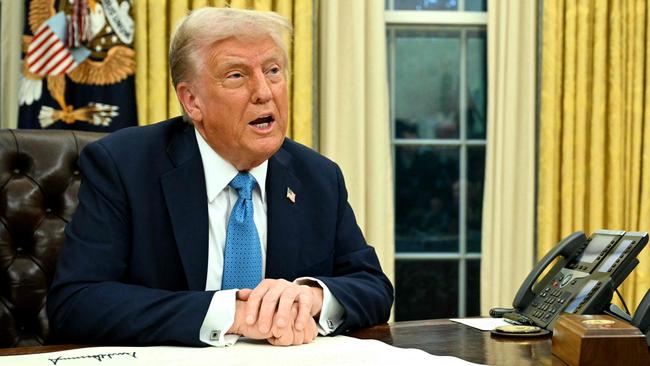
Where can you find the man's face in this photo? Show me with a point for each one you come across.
(241, 100)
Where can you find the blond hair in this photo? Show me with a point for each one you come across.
(206, 26)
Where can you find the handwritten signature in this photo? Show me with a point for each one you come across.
(99, 357)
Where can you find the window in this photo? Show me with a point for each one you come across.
(437, 62)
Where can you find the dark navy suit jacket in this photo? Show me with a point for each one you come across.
(134, 265)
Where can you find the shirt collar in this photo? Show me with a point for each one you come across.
(219, 172)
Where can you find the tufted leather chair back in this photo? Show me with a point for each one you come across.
(39, 181)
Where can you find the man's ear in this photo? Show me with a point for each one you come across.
(190, 101)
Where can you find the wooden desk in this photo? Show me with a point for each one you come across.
(438, 337)
(446, 338)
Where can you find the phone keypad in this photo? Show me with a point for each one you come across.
(548, 303)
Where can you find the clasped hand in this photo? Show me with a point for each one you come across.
(279, 311)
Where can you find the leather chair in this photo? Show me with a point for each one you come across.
(39, 180)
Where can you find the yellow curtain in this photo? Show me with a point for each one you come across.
(594, 168)
(156, 20)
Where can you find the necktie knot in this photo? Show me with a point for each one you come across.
(244, 184)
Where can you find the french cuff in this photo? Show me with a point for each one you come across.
(331, 314)
(219, 319)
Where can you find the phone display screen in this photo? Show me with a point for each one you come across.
(612, 257)
(573, 305)
(595, 247)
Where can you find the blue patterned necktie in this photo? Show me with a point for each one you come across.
(242, 259)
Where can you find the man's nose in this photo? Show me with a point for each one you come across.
(261, 89)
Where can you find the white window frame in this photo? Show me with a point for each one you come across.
(441, 18)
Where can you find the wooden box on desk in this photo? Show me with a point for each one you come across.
(598, 340)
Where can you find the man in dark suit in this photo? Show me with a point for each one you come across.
(200, 229)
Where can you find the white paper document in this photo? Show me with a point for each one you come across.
(330, 351)
(482, 323)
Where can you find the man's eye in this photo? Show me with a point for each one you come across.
(274, 70)
(235, 75)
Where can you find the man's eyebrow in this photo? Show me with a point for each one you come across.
(239, 62)
(232, 63)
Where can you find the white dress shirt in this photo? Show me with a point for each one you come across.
(221, 198)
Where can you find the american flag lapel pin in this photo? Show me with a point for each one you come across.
(291, 195)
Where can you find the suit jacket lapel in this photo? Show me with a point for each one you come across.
(283, 232)
(185, 195)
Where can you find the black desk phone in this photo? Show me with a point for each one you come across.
(583, 279)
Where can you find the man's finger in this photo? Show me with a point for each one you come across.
(283, 315)
(254, 301)
(305, 303)
(269, 305)
(281, 336)
(243, 294)
(311, 331)
(298, 337)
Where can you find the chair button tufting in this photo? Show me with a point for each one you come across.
(39, 178)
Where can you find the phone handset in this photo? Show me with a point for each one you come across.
(568, 248)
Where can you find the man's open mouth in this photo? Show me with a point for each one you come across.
(262, 123)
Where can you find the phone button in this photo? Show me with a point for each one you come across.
(566, 280)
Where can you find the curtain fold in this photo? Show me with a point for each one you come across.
(155, 22)
(11, 29)
(507, 237)
(594, 168)
(354, 119)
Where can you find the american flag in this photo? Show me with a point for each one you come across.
(291, 195)
(47, 54)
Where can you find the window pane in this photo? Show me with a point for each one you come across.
(476, 84)
(426, 289)
(427, 77)
(476, 5)
(426, 198)
(475, 175)
(426, 4)
(473, 300)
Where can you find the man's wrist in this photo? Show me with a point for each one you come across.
(332, 312)
(317, 292)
